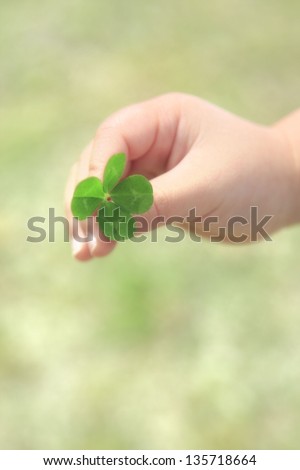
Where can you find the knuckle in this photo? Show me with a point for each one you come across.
(103, 136)
(94, 165)
(103, 129)
(109, 125)
(174, 95)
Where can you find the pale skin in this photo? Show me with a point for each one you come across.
(197, 156)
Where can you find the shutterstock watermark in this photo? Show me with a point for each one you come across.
(238, 229)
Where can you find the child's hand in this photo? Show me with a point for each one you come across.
(197, 156)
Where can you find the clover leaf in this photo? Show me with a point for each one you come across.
(115, 222)
(113, 171)
(88, 196)
(135, 193)
(115, 200)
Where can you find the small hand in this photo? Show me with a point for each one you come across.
(197, 156)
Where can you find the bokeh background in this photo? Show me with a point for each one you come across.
(159, 345)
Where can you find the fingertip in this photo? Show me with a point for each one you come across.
(99, 248)
(80, 250)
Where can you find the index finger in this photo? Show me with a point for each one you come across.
(146, 129)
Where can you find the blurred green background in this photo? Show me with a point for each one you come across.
(159, 345)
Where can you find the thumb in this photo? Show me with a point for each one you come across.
(176, 192)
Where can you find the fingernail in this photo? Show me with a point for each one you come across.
(92, 245)
(76, 247)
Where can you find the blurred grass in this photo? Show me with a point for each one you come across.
(155, 346)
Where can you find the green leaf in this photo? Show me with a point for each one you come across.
(116, 223)
(88, 196)
(134, 193)
(114, 170)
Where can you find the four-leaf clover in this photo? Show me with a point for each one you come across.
(114, 200)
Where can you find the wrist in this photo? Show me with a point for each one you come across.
(288, 131)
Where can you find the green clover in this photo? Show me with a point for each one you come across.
(114, 200)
